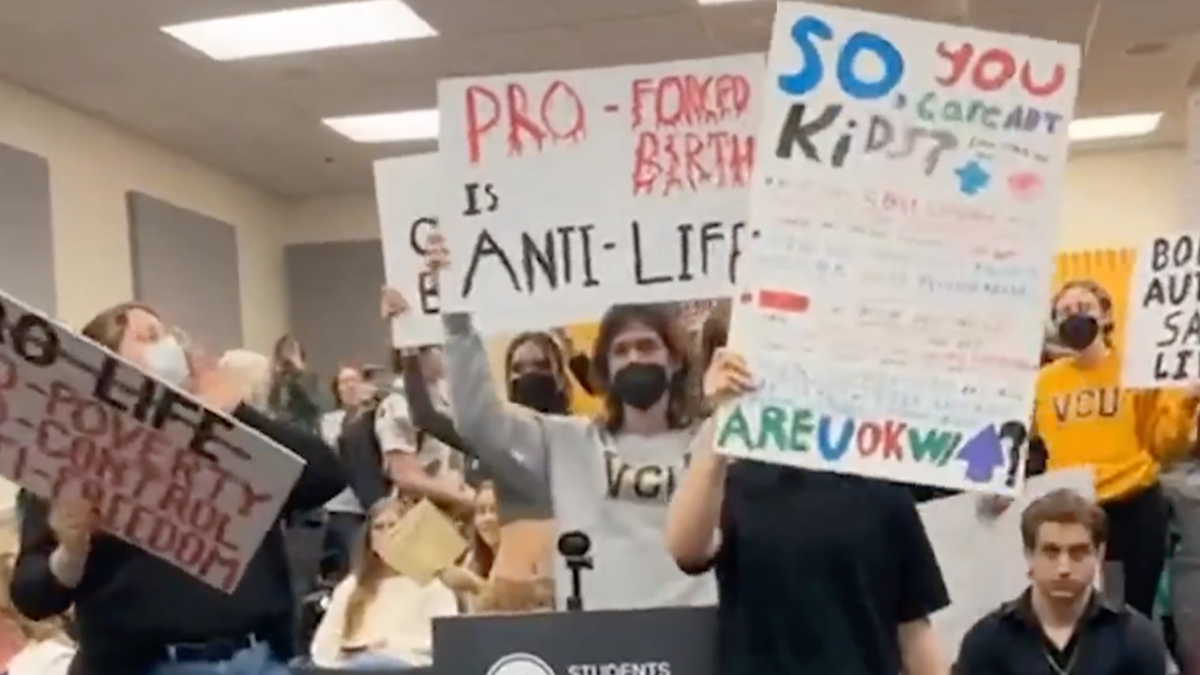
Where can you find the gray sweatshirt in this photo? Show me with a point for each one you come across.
(615, 488)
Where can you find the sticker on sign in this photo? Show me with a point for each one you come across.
(190, 485)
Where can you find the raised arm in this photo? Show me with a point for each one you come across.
(45, 575)
(516, 485)
(509, 440)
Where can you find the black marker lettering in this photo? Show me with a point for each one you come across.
(206, 432)
(685, 250)
(168, 407)
(566, 244)
(795, 132)
(106, 386)
(485, 245)
(491, 200)
(418, 233)
(639, 260)
(545, 259)
(710, 233)
(735, 253)
(589, 276)
(35, 340)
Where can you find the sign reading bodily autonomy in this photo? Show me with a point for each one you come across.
(1162, 331)
(907, 196)
(191, 486)
(563, 193)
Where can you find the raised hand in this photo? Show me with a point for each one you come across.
(74, 520)
(727, 378)
(392, 303)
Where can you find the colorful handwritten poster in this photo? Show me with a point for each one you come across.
(563, 193)
(906, 202)
(191, 486)
(982, 557)
(406, 195)
(1162, 335)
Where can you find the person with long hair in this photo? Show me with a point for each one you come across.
(344, 515)
(609, 477)
(134, 612)
(377, 617)
(1125, 436)
(293, 394)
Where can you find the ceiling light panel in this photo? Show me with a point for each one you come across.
(1113, 127)
(304, 29)
(394, 127)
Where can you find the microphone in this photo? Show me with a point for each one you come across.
(574, 547)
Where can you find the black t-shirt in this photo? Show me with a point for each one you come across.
(817, 571)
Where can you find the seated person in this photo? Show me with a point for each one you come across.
(30, 647)
(1062, 623)
(379, 618)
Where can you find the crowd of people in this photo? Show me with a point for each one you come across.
(671, 522)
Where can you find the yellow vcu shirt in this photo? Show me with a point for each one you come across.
(1087, 419)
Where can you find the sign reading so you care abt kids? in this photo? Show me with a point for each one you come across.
(907, 191)
(563, 193)
(191, 486)
(1162, 333)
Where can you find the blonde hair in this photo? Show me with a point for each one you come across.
(252, 372)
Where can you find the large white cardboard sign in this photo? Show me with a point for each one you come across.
(191, 486)
(562, 193)
(907, 195)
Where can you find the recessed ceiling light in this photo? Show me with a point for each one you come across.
(305, 29)
(1113, 127)
(410, 125)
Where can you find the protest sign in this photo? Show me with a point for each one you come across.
(1162, 333)
(191, 486)
(563, 193)
(893, 304)
(406, 194)
(423, 542)
(981, 557)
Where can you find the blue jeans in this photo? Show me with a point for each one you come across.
(255, 660)
(369, 661)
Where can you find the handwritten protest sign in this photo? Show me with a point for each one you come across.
(982, 557)
(423, 542)
(191, 486)
(406, 194)
(893, 303)
(566, 192)
(1162, 332)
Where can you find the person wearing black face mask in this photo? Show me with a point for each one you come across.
(1086, 419)
(534, 370)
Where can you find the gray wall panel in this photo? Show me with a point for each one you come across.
(333, 289)
(185, 264)
(26, 229)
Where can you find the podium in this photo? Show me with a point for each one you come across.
(669, 641)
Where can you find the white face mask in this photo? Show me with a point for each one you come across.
(167, 360)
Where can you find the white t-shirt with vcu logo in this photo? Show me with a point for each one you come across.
(613, 487)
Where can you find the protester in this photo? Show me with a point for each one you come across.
(134, 612)
(1061, 624)
(800, 591)
(1087, 420)
(471, 577)
(537, 379)
(379, 618)
(344, 513)
(420, 465)
(609, 478)
(293, 395)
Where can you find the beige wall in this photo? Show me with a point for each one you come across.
(93, 165)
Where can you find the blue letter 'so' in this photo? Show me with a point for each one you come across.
(893, 66)
(812, 71)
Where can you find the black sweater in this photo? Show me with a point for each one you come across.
(130, 605)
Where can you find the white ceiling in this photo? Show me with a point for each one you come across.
(260, 119)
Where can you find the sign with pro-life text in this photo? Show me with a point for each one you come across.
(908, 207)
(191, 486)
(406, 195)
(563, 193)
(1162, 328)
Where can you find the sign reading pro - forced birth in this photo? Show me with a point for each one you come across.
(563, 193)
(190, 485)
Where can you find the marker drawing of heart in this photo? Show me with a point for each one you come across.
(1025, 185)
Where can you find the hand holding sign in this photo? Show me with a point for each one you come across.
(212, 385)
(437, 256)
(392, 303)
(727, 378)
(74, 520)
